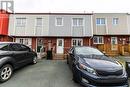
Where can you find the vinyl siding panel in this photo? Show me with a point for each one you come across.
(109, 28)
(30, 28)
(67, 29)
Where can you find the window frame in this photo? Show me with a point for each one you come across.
(77, 22)
(62, 21)
(98, 40)
(115, 21)
(100, 21)
(78, 39)
(116, 40)
(36, 21)
(22, 23)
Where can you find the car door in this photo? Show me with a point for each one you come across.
(29, 54)
(18, 54)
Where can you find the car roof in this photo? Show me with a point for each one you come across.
(9, 43)
(83, 46)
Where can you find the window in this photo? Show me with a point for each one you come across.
(115, 21)
(59, 21)
(98, 40)
(100, 21)
(39, 22)
(60, 43)
(113, 40)
(4, 47)
(20, 21)
(77, 42)
(77, 21)
(40, 44)
(18, 47)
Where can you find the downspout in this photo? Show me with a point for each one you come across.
(90, 44)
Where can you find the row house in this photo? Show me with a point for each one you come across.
(112, 33)
(109, 32)
(51, 31)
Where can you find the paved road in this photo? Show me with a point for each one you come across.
(44, 74)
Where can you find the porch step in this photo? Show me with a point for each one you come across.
(112, 53)
(58, 56)
(126, 54)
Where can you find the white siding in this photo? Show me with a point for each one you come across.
(30, 28)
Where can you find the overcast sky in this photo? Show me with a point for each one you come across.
(87, 6)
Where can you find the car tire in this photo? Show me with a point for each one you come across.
(34, 61)
(6, 72)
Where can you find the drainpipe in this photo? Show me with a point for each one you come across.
(90, 40)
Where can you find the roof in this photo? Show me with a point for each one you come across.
(55, 13)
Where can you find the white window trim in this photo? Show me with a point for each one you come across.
(76, 39)
(78, 23)
(98, 40)
(20, 18)
(100, 22)
(56, 21)
(113, 22)
(36, 22)
(115, 39)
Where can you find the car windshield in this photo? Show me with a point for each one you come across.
(87, 51)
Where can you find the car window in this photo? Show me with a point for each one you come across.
(4, 47)
(18, 47)
(87, 51)
(24, 48)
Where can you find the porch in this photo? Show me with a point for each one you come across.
(115, 50)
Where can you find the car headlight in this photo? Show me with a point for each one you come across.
(88, 69)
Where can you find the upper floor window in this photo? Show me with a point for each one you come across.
(98, 40)
(77, 21)
(100, 21)
(39, 22)
(20, 21)
(59, 21)
(115, 21)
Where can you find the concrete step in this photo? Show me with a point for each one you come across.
(58, 56)
(126, 54)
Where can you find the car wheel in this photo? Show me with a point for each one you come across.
(6, 72)
(34, 60)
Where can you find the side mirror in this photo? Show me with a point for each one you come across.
(71, 52)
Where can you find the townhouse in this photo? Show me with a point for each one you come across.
(51, 31)
(109, 32)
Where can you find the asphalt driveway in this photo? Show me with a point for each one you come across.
(46, 73)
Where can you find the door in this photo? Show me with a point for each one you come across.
(18, 54)
(60, 46)
(114, 43)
